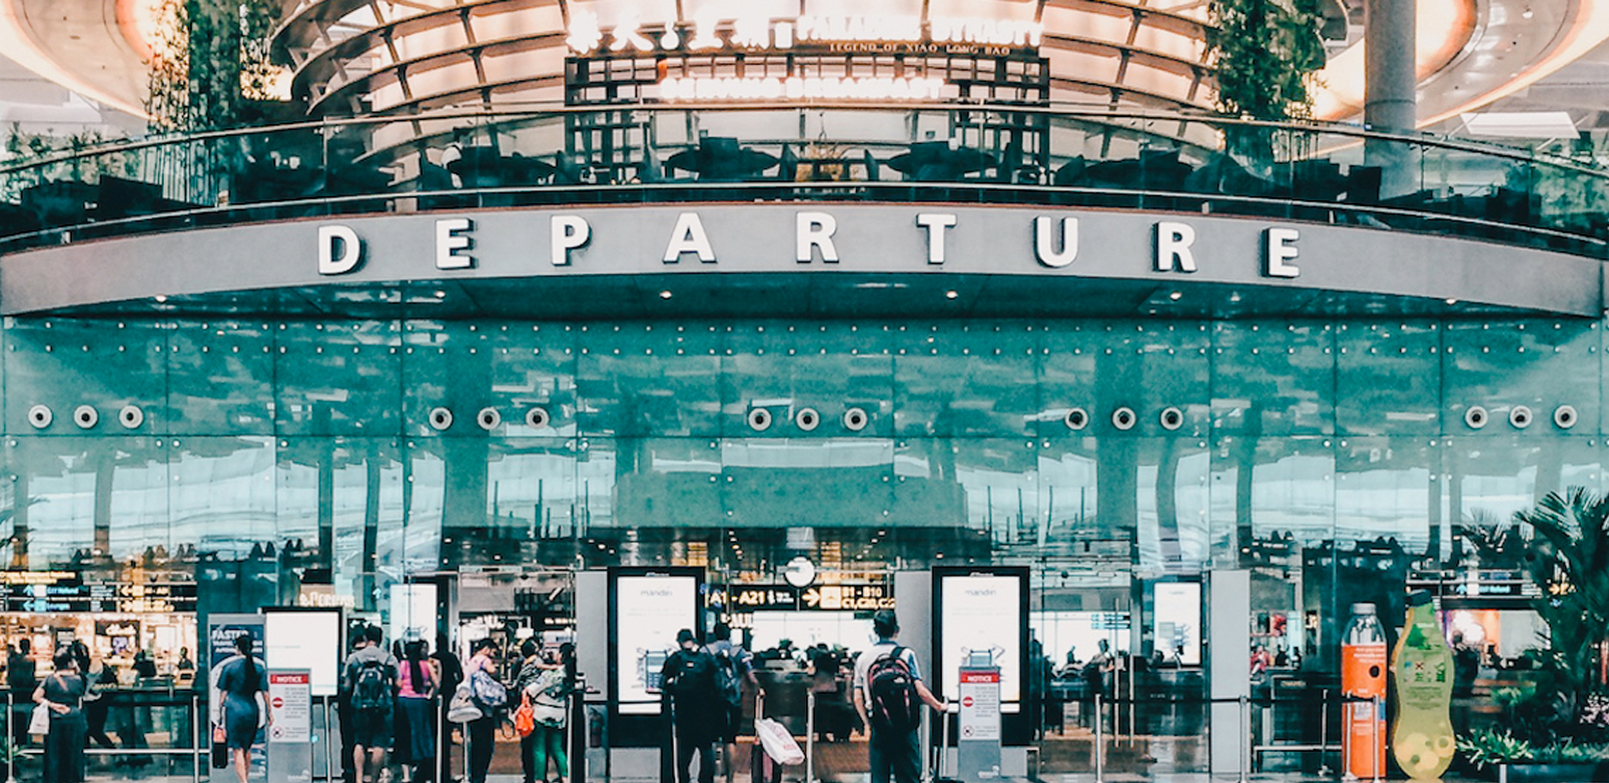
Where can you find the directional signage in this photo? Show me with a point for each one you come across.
(848, 597)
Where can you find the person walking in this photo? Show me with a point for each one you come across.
(550, 706)
(62, 693)
(449, 672)
(416, 690)
(733, 666)
(887, 685)
(370, 677)
(696, 709)
(532, 666)
(242, 683)
(482, 730)
(22, 677)
(96, 707)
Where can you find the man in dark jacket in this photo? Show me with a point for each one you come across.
(697, 711)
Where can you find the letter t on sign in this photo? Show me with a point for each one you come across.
(935, 223)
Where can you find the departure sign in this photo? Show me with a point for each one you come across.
(852, 597)
(70, 594)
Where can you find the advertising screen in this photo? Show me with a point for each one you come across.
(651, 609)
(413, 612)
(310, 640)
(1178, 621)
(981, 622)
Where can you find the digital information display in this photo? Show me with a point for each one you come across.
(413, 612)
(650, 610)
(306, 639)
(1177, 615)
(981, 622)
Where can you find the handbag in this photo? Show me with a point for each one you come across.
(220, 748)
(39, 723)
(524, 717)
(461, 708)
(489, 694)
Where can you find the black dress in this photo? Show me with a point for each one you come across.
(64, 746)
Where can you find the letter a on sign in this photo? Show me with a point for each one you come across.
(689, 237)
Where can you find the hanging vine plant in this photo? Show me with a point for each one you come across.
(1264, 55)
(212, 70)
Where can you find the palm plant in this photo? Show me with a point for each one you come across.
(1569, 560)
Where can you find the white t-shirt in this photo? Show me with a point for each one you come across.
(863, 664)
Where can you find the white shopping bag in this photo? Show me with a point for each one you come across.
(778, 742)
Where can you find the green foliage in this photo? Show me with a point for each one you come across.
(1483, 748)
(213, 70)
(1264, 53)
(31, 154)
(1569, 561)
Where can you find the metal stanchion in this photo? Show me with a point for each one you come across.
(810, 735)
(1376, 751)
(1324, 733)
(1245, 731)
(11, 717)
(1100, 741)
(197, 733)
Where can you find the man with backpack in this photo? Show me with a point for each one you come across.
(697, 711)
(889, 694)
(369, 680)
(733, 665)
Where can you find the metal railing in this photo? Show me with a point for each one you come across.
(645, 154)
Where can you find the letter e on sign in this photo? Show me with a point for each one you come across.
(449, 241)
(339, 250)
(1279, 250)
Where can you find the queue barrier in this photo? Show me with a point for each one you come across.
(195, 716)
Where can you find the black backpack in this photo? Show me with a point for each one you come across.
(895, 707)
(726, 679)
(371, 688)
(692, 676)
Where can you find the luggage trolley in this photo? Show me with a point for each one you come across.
(776, 747)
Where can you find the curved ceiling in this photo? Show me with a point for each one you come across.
(1471, 52)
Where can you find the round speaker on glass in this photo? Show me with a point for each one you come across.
(807, 419)
(855, 419)
(537, 417)
(759, 419)
(1476, 417)
(488, 419)
(1520, 416)
(1171, 418)
(40, 416)
(1124, 419)
(85, 416)
(1565, 417)
(440, 419)
(130, 416)
(1076, 419)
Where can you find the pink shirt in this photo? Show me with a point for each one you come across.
(405, 684)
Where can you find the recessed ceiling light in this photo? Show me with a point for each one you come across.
(1175, 296)
(665, 294)
(441, 294)
(951, 294)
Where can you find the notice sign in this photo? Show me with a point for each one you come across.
(980, 705)
(290, 699)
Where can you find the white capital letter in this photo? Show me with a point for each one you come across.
(688, 237)
(448, 243)
(569, 233)
(1045, 242)
(1173, 241)
(935, 223)
(815, 231)
(344, 239)
(1279, 251)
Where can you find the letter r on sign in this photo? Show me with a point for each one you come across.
(815, 230)
(1173, 241)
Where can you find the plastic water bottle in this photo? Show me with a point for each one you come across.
(1422, 665)
(1363, 688)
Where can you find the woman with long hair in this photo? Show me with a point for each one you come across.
(550, 696)
(242, 685)
(62, 693)
(482, 731)
(417, 685)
